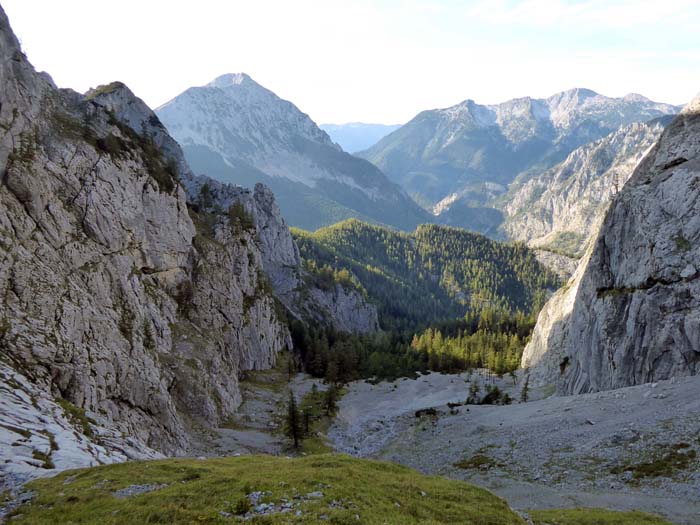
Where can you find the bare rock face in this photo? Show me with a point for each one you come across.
(634, 316)
(113, 302)
(347, 309)
(561, 208)
(44, 437)
(563, 265)
(344, 310)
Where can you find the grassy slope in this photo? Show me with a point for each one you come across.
(197, 490)
(593, 517)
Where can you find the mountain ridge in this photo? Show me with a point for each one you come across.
(260, 137)
(458, 148)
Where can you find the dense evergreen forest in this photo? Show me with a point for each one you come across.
(433, 274)
(448, 300)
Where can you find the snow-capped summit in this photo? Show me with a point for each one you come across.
(238, 131)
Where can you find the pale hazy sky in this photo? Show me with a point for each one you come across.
(371, 61)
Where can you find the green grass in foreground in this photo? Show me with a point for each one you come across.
(197, 491)
(593, 517)
(215, 491)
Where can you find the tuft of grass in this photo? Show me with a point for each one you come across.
(665, 463)
(104, 89)
(242, 506)
(477, 462)
(26, 434)
(682, 244)
(77, 417)
(375, 491)
(593, 517)
(47, 463)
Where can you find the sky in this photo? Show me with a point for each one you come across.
(369, 61)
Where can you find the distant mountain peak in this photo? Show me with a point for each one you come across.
(444, 151)
(231, 79)
(693, 106)
(635, 97)
(582, 92)
(239, 131)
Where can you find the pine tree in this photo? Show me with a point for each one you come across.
(513, 376)
(330, 401)
(292, 427)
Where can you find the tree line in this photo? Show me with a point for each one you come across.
(490, 339)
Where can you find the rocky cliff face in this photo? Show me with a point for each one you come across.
(114, 302)
(631, 314)
(344, 310)
(561, 208)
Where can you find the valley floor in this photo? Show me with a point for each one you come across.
(630, 449)
(633, 448)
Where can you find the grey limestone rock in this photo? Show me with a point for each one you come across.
(631, 314)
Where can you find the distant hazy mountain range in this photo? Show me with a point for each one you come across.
(237, 131)
(357, 136)
(460, 158)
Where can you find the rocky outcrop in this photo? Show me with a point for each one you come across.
(561, 208)
(344, 310)
(632, 313)
(114, 302)
(563, 265)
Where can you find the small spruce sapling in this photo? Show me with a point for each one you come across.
(292, 427)
(473, 397)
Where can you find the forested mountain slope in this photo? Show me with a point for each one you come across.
(433, 274)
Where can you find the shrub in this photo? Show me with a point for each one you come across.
(239, 217)
(149, 341)
(77, 417)
(478, 462)
(242, 506)
(112, 145)
(493, 396)
(183, 296)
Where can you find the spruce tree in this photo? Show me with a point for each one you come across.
(292, 427)
(331, 400)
